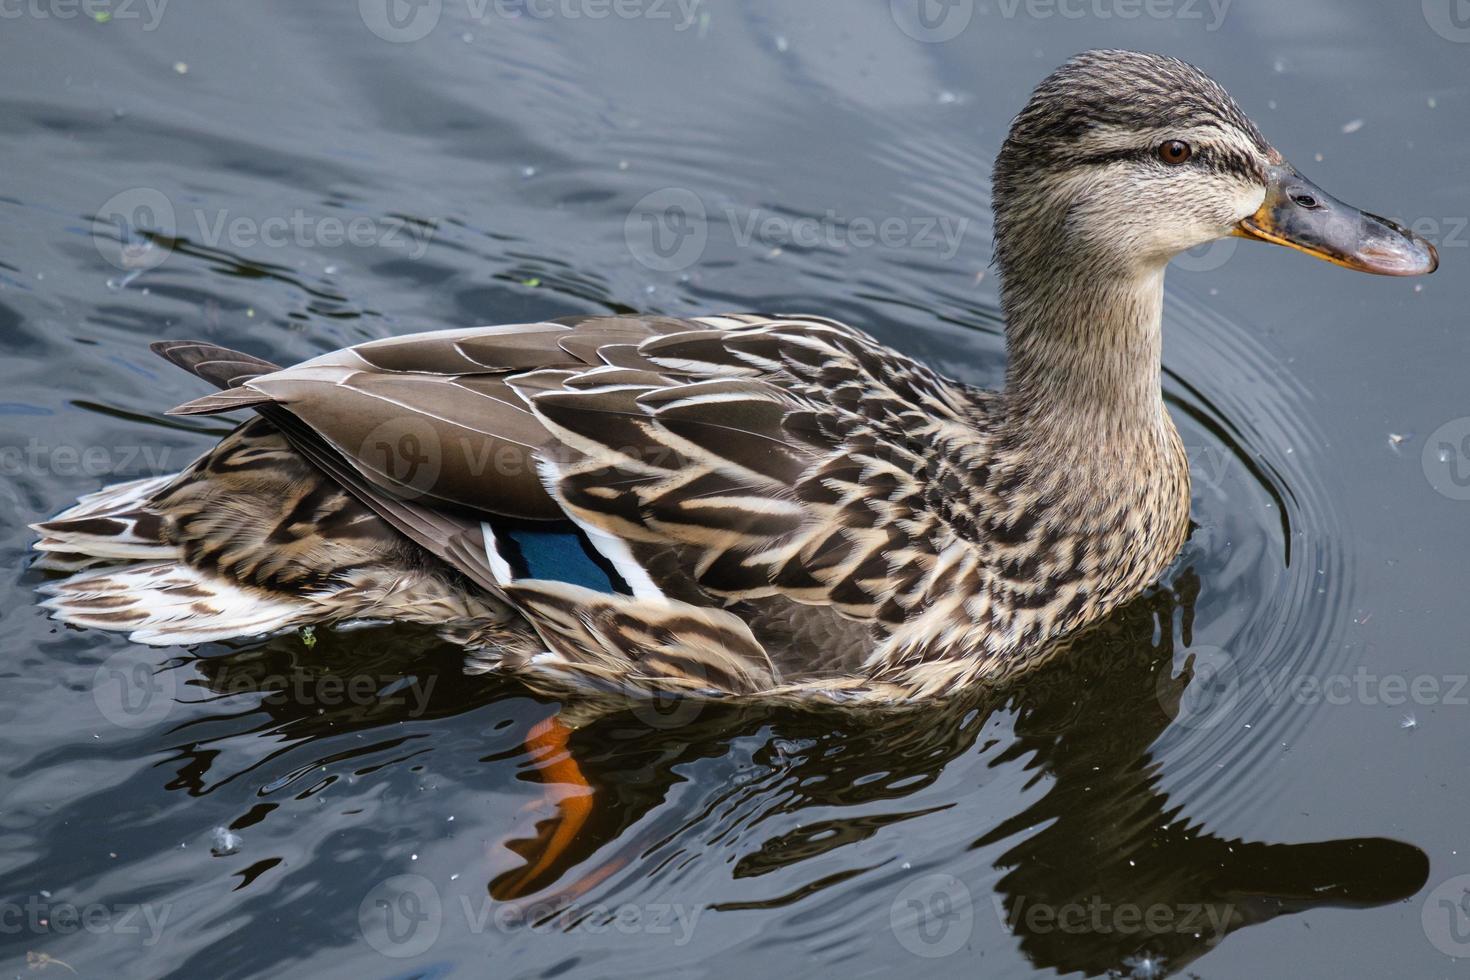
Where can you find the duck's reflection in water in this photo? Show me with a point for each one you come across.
(1105, 871)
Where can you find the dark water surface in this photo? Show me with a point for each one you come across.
(1259, 769)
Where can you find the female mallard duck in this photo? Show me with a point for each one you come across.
(737, 505)
(751, 505)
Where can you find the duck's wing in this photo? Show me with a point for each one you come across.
(719, 462)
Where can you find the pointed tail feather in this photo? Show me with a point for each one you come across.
(220, 366)
(229, 400)
(165, 604)
(112, 524)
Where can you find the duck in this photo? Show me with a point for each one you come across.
(739, 505)
(766, 506)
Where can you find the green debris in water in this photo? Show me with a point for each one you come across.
(308, 636)
(101, 17)
(533, 282)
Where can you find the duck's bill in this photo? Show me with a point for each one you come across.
(1300, 215)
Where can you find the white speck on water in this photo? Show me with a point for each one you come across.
(467, 37)
(948, 98)
(125, 280)
(1352, 126)
(906, 865)
(181, 67)
(528, 172)
(1278, 66)
(413, 857)
(224, 842)
(1270, 103)
(1409, 722)
(623, 164)
(1397, 439)
(1145, 967)
(330, 270)
(454, 877)
(782, 44)
(1318, 157)
(1432, 102)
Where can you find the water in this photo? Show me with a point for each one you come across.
(1216, 782)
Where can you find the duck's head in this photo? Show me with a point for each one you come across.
(1122, 160)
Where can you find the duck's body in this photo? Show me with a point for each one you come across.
(742, 505)
(746, 505)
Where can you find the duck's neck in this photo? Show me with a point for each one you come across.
(1084, 349)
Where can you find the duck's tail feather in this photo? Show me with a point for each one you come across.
(220, 366)
(164, 603)
(127, 576)
(111, 525)
(224, 368)
(249, 540)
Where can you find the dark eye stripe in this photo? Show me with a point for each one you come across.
(1220, 161)
(1115, 156)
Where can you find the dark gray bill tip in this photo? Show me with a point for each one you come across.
(1300, 215)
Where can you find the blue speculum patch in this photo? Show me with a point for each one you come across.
(557, 552)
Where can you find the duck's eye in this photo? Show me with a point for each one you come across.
(1175, 152)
